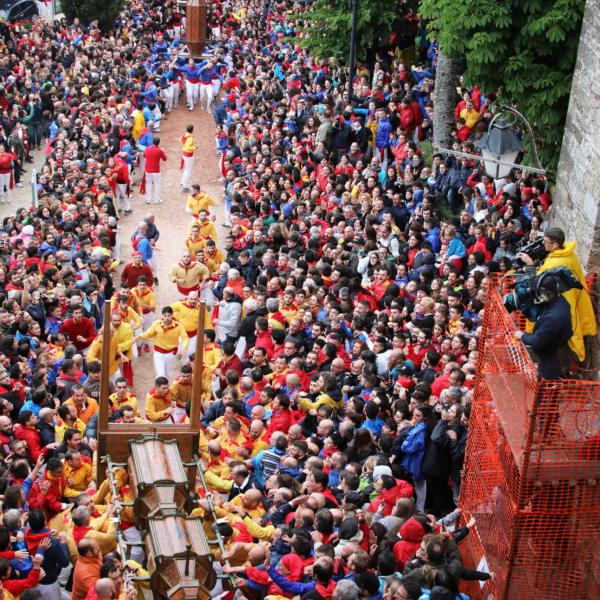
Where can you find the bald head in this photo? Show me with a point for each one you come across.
(214, 447)
(251, 498)
(295, 432)
(105, 588)
(337, 365)
(46, 415)
(257, 555)
(256, 428)
(258, 412)
(6, 425)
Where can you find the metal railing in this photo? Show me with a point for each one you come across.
(34, 190)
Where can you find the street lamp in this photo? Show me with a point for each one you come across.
(352, 61)
(500, 146)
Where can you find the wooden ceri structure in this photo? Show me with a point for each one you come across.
(195, 26)
(114, 438)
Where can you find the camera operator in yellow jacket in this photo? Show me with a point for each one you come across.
(562, 254)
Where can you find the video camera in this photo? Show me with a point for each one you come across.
(534, 249)
(528, 293)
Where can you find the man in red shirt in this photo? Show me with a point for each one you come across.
(80, 329)
(135, 269)
(122, 171)
(6, 167)
(153, 155)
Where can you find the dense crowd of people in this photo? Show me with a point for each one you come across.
(345, 291)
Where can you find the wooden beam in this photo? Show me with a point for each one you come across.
(103, 400)
(104, 374)
(197, 376)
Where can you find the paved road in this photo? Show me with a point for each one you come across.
(171, 219)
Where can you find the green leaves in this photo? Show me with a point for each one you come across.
(326, 30)
(88, 10)
(526, 48)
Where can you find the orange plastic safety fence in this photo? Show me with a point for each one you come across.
(532, 474)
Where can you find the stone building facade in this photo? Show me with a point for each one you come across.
(576, 204)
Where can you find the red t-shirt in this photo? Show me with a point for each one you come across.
(153, 156)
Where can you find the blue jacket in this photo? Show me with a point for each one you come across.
(382, 137)
(374, 426)
(433, 237)
(456, 248)
(414, 447)
(293, 587)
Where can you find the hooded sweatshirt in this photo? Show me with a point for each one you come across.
(411, 534)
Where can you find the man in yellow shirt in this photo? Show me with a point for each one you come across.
(67, 419)
(195, 242)
(207, 229)
(95, 353)
(78, 474)
(139, 122)
(123, 335)
(232, 439)
(146, 299)
(188, 275)
(104, 530)
(188, 314)
(214, 254)
(132, 300)
(181, 393)
(188, 146)
(123, 397)
(198, 201)
(159, 403)
(258, 435)
(170, 341)
(128, 314)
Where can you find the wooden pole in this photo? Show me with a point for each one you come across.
(197, 377)
(195, 28)
(104, 374)
(104, 393)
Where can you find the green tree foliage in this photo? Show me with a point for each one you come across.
(524, 49)
(327, 26)
(89, 10)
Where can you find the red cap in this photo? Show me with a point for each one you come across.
(136, 253)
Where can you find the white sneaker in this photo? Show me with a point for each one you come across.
(19, 184)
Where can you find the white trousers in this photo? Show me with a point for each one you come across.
(171, 95)
(163, 363)
(174, 91)
(192, 92)
(137, 552)
(216, 84)
(191, 346)
(5, 184)
(188, 165)
(153, 188)
(147, 320)
(206, 95)
(123, 201)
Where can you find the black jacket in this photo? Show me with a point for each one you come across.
(551, 334)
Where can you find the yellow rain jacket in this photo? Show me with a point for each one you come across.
(583, 319)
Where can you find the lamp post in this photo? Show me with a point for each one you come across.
(499, 144)
(352, 60)
(499, 147)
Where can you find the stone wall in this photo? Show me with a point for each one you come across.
(577, 198)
